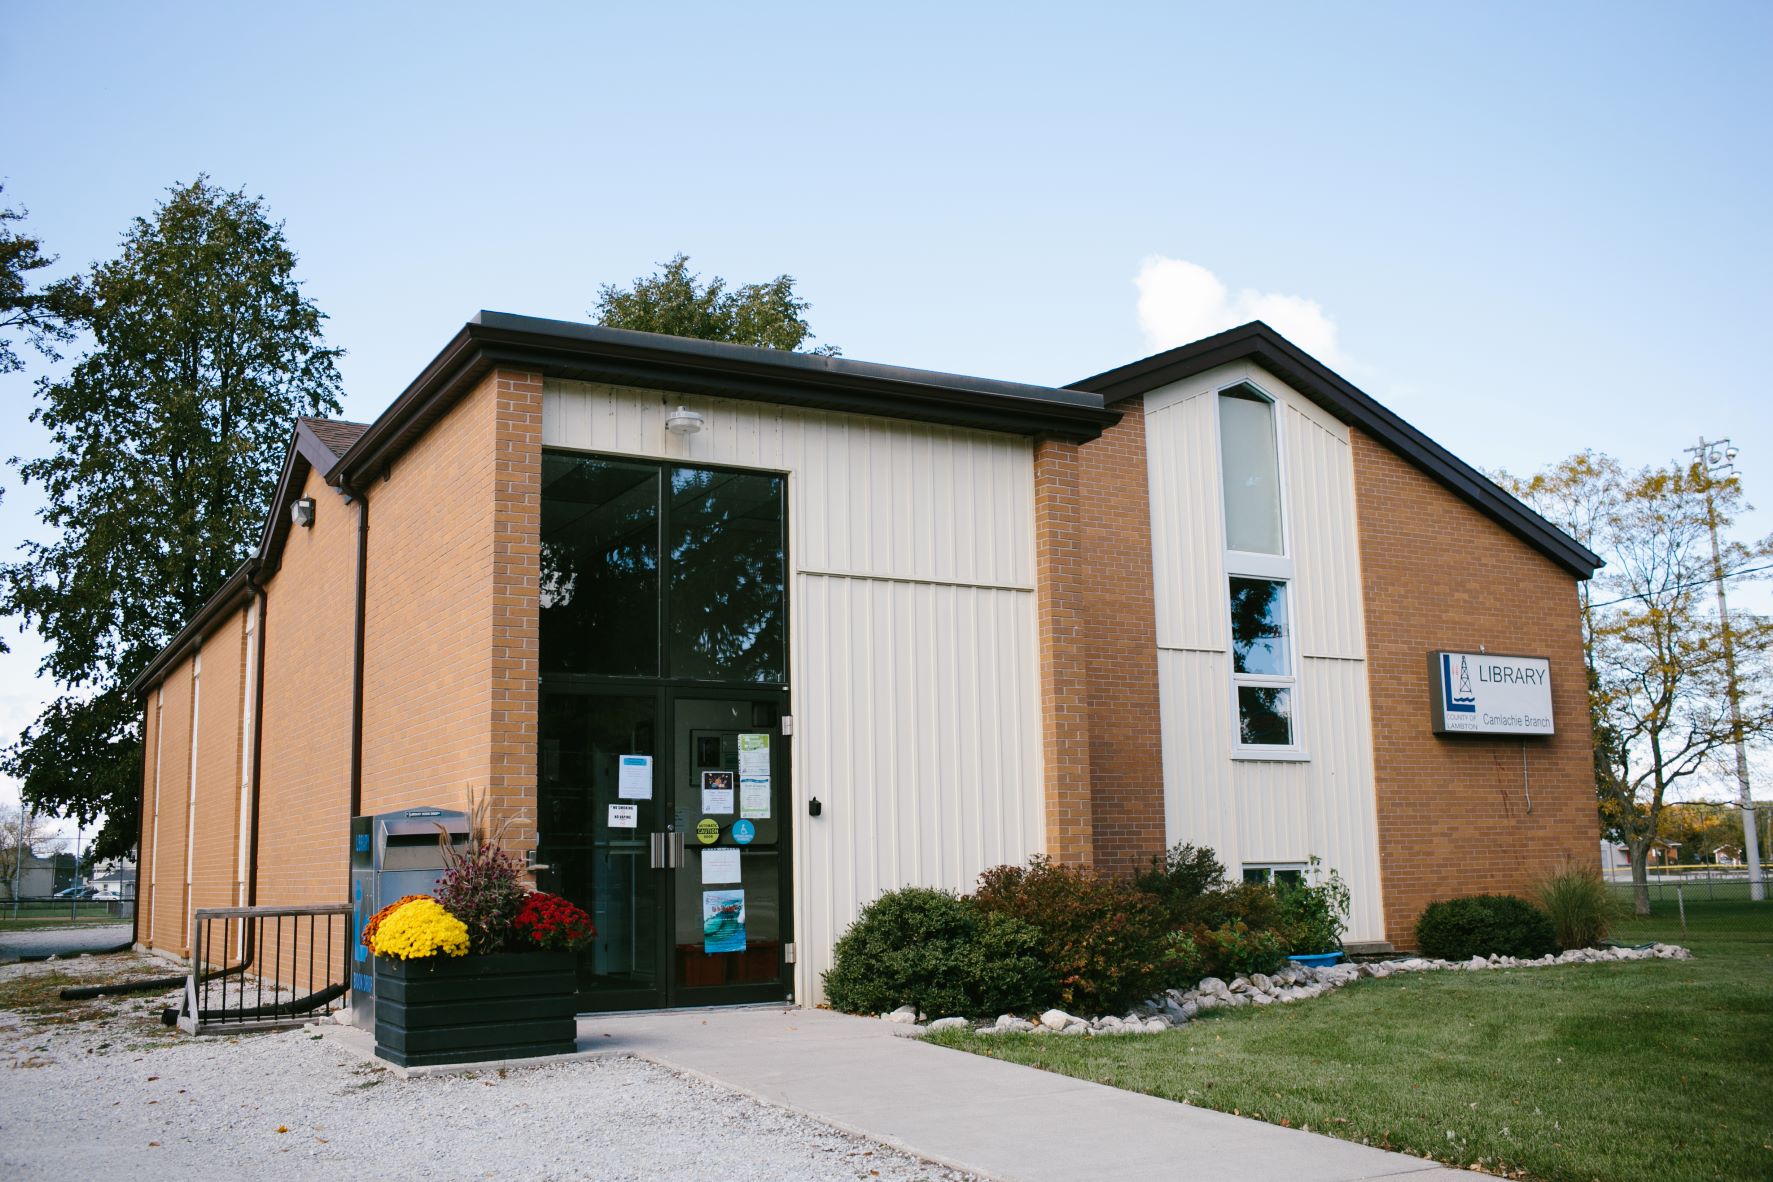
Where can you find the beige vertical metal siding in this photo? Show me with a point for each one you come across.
(913, 658)
(1263, 811)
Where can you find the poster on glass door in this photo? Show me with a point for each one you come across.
(723, 921)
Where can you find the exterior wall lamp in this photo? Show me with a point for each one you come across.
(302, 512)
(683, 421)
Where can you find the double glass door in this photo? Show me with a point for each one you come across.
(664, 815)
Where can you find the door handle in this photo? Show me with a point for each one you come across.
(673, 850)
(657, 851)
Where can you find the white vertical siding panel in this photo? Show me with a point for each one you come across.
(1182, 459)
(1320, 500)
(918, 742)
(1195, 720)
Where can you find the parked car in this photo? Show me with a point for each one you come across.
(77, 892)
(107, 897)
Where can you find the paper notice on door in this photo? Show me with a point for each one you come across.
(720, 864)
(717, 792)
(754, 755)
(723, 921)
(634, 779)
(624, 816)
(754, 798)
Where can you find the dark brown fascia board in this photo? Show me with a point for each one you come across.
(1258, 342)
(590, 353)
(305, 451)
(235, 590)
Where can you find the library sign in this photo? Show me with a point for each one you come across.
(1489, 694)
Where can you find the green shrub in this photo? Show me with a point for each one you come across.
(1581, 906)
(1181, 875)
(1479, 925)
(942, 954)
(1253, 904)
(1313, 918)
(1108, 942)
(1236, 950)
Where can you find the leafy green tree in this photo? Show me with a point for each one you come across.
(46, 315)
(168, 435)
(1656, 673)
(671, 301)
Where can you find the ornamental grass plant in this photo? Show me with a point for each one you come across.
(483, 885)
(1582, 908)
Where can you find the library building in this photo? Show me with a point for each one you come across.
(713, 626)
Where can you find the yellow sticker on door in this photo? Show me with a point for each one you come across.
(707, 831)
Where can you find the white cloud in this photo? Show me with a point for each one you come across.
(1180, 301)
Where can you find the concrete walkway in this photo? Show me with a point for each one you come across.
(71, 940)
(1002, 1120)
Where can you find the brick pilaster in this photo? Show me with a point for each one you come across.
(1064, 690)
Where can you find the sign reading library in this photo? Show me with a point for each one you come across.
(1487, 694)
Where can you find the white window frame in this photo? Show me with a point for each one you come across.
(1269, 870)
(1273, 567)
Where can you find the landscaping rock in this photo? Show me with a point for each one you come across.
(1057, 1019)
(905, 1014)
(949, 1024)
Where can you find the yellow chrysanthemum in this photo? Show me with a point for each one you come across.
(418, 929)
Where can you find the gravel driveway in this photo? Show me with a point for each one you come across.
(116, 1094)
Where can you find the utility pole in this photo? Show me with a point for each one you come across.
(1717, 458)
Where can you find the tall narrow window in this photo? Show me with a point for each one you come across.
(1259, 571)
(1250, 463)
(1262, 662)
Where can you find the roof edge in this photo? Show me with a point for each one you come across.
(569, 349)
(228, 596)
(1259, 342)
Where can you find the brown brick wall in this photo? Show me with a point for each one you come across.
(450, 624)
(145, 852)
(1452, 813)
(1064, 668)
(306, 749)
(1120, 631)
(221, 687)
(168, 792)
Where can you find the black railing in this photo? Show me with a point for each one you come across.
(255, 968)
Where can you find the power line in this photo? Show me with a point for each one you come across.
(1747, 570)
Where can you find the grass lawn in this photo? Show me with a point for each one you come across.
(1638, 1070)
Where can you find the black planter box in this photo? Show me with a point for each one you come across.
(467, 1009)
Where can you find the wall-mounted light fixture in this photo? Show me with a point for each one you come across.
(302, 512)
(683, 421)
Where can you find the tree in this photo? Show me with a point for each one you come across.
(168, 438)
(1654, 647)
(46, 315)
(767, 315)
(1701, 829)
(23, 832)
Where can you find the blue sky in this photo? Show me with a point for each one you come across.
(1528, 228)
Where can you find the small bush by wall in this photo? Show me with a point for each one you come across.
(1108, 942)
(944, 955)
(1478, 925)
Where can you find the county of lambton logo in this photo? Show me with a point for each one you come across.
(1460, 699)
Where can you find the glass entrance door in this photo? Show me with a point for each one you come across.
(679, 848)
(730, 884)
